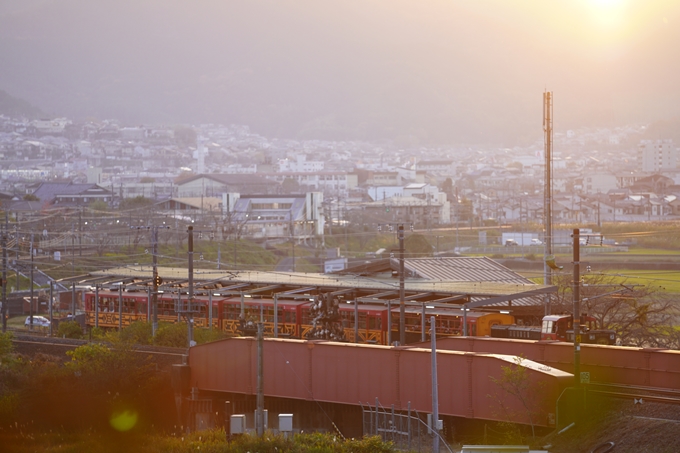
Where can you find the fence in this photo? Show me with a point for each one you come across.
(407, 431)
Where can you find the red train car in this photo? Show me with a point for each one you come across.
(363, 323)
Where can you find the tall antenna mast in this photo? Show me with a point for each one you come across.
(547, 190)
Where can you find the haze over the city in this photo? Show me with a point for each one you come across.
(442, 71)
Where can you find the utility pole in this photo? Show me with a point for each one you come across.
(234, 240)
(577, 307)
(96, 306)
(50, 304)
(547, 190)
(435, 385)
(120, 307)
(80, 232)
(402, 303)
(16, 249)
(4, 274)
(156, 281)
(73, 272)
(190, 317)
(30, 304)
(293, 244)
(259, 413)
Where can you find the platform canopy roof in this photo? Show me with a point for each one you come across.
(292, 285)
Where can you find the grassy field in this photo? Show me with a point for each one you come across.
(667, 280)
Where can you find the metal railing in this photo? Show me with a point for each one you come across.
(408, 430)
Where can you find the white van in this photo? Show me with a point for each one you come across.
(38, 321)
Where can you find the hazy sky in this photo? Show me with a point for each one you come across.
(444, 71)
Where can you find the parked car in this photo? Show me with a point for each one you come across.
(38, 321)
(511, 243)
(536, 241)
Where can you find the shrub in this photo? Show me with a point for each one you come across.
(171, 335)
(6, 345)
(202, 335)
(9, 404)
(70, 329)
(139, 332)
(96, 383)
(215, 441)
(89, 358)
(97, 333)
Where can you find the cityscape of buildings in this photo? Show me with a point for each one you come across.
(272, 187)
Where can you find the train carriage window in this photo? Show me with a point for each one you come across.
(411, 322)
(268, 314)
(362, 320)
(231, 311)
(290, 317)
(347, 318)
(306, 317)
(547, 327)
(128, 305)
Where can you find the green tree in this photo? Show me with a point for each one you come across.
(289, 185)
(138, 332)
(98, 205)
(172, 335)
(69, 329)
(6, 345)
(447, 188)
(417, 246)
(185, 136)
(137, 202)
(202, 335)
(515, 383)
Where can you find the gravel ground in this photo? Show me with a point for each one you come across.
(634, 428)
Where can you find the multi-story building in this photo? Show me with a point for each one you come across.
(329, 182)
(300, 165)
(659, 155)
(297, 217)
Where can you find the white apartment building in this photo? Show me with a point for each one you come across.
(659, 155)
(300, 165)
(328, 182)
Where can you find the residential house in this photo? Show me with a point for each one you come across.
(299, 216)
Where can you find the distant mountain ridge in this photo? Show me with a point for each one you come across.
(428, 72)
(17, 108)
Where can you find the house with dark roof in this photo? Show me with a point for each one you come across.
(68, 194)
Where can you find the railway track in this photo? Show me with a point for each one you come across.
(637, 393)
(60, 343)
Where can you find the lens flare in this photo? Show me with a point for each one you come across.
(123, 421)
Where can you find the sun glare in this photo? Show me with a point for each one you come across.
(607, 3)
(608, 15)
